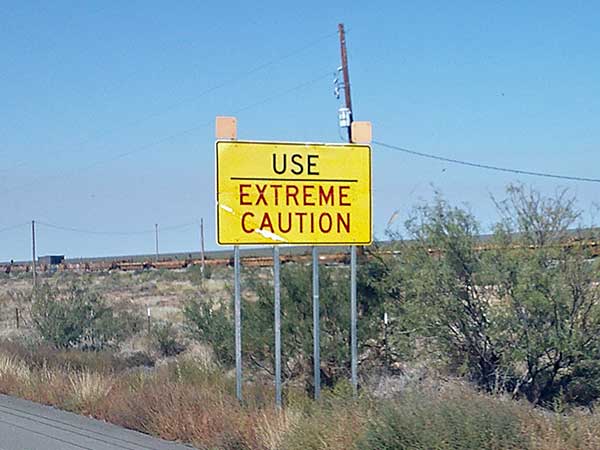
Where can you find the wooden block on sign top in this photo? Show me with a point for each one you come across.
(226, 127)
(362, 132)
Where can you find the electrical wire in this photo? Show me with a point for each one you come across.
(283, 93)
(116, 233)
(167, 138)
(12, 227)
(487, 166)
(94, 164)
(146, 147)
(238, 77)
(211, 122)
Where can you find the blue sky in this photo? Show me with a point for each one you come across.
(108, 107)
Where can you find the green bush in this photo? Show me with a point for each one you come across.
(297, 328)
(164, 338)
(211, 326)
(521, 315)
(75, 317)
(195, 275)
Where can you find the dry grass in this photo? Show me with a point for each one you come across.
(193, 402)
(578, 430)
(274, 426)
(14, 367)
(89, 388)
(184, 402)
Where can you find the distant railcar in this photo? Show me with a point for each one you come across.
(51, 260)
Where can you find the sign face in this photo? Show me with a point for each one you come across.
(293, 193)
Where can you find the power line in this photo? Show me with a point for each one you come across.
(285, 92)
(167, 138)
(116, 233)
(235, 78)
(96, 163)
(12, 227)
(487, 166)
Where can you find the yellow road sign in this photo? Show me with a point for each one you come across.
(293, 193)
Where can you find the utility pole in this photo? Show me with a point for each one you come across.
(346, 75)
(33, 262)
(156, 235)
(202, 246)
(353, 303)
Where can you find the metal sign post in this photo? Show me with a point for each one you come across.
(238, 323)
(385, 343)
(316, 326)
(277, 312)
(353, 313)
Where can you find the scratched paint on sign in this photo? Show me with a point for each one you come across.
(293, 193)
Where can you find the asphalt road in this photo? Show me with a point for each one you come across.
(29, 426)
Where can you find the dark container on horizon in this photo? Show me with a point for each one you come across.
(51, 259)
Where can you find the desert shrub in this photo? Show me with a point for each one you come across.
(189, 371)
(450, 421)
(75, 317)
(165, 340)
(522, 316)
(296, 322)
(211, 324)
(131, 322)
(195, 275)
(441, 281)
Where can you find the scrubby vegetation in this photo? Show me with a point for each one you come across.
(492, 343)
(78, 317)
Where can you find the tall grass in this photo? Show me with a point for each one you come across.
(12, 367)
(453, 420)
